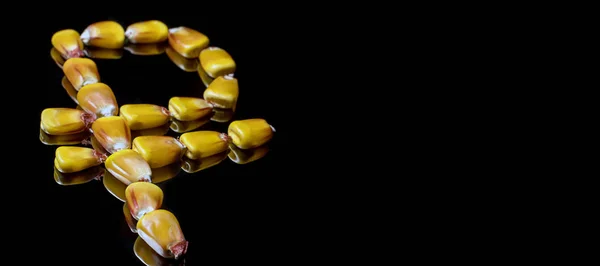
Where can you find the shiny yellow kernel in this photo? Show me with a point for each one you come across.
(189, 108)
(64, 121)
(64, 140)
(179, 126)
(185, 64)
(223, 92)
(114, 186)
(104, 34)
(150, 31)
(68, 43)
(112, 133)
(80, 177)
(103, 53)
(128, 167)
(146, 48)
(57, 57)
(69, 159)
(159, 151)
(217, 62)
(81, 72)
(222, 115)
(187, 42)
(160, 229)
(240, 156)
(196, 165)
(250, 133)
(142, 198)
(144, 116)
(202, 144)
(98, 99)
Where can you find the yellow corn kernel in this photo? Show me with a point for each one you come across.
(206, 79)
(104, 34)
(179, 126)
(69, 88)
(112, 133)
(202, 144)
(223, 92)
(150, 31)
(250, 133)
(81, 72)
(162, 232)
(187, 42)
(131, 222)
(147, 255)
(114, 186)
(166, 172)
(57, 57)
(216, 62)
(222, 115)
(144, 116)
(103, 53)
(142, 198)
(98, 99)
(78, 178)
(196, 165)
(188, 65)
(63, 140)
(189, 108)
(240, 156)
(68, 43)
(146, 48)
(155, 131)
(64, 121)
(128, 167)
(70, 159)
(159, 151)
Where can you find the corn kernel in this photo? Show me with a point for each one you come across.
(98, 99)
(166, 172)
(64, 121)
(189, 108)
(142, 198)
(159, 151)
(222, 115)
(104, 34)
(146, 48)
(202, 144)
(144, 116)
(103, 53)
(63, 140)
(187, 126)
(69, 88)
(147, 255)
(223, 92)
(250, 133)
(185, 64)
(187, 42)
(112, 133)
(240, 156)
(78, 178)
(97, 146)
(206, 79)
(131, 222)
(81, 72)
(162, 232)
(191, 166)
(155, 131)
(74, 159)
(114, 186)
(57, 57)
(150, 31)
(217, 62)
(68, 43)
(128, 167)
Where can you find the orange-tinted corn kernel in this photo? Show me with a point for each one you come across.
(81, 72)
(162, 232)
(240, 156)
(128, 166)
(68, 43)
(103, 53)
(223, 92)
(159, 151)
(144, 116)
(217, 62)
(104, 34)
(57, 57)
(142, 198)
(146, 49)
(69, 159)
(191, 166)
(185, 64)
(202, 144)
(99, 99)
(78, 178)
(187, 42)
(250, 133)
(150, 31)
(64, 121)
(112, 133)
(189, 108)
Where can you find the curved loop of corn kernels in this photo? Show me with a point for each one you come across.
(112, 125)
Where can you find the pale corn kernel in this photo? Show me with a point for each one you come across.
(250, 133)
(202, 144)
(64, 140)
(103, 53)
(57, 57)
(240, 156)
(179, 126)
(223, 92)
(162, 232)
(64, 121)
(81, 72)
(66, 84)
(114, 186)
(217, 62)
(159, 151)
(206, 79)
(150, 31)
(128, 167)
(104, 34)
(69, 159)
(155, 131)
(185, 64)
(191, 166)
(222, 115)
(142, 198)
(187, 42)
(144, 116)
(146, 49)
(68, 43)
(99, 99)
(166, 172)
(78, 178)
(189, 108)
(112, 133)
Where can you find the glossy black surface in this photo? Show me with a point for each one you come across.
(227, 212)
